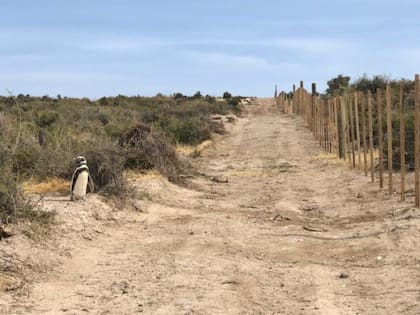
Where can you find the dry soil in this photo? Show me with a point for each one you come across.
(292, 231)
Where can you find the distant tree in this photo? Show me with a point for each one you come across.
(227, 95)
(337, 85)
(103, 101)
(365, 83)
(210, 99)
(178, 96)
(197, 95)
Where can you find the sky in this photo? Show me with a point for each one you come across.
(95, 48)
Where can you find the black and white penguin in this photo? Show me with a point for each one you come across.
(81, 180)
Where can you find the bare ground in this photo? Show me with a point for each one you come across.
(291, 232)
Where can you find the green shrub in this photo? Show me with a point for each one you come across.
(187, 131)
(114, 130)
(396, 143)
(192, 131)
(46, 119)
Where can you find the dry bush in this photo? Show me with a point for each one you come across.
(10, 196)
(106, 162)
(18, 156)
(148, 148)
(56, 157)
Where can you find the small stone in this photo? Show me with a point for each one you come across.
(220, 179)
(343, 275)
(230, 281)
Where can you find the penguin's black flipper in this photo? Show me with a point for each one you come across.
(91, 185)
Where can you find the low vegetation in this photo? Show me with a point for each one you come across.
(40, 136)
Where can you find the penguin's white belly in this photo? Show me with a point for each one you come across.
(81, 185)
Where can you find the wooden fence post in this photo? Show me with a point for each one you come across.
(416, 142)
(313, 95)
(286, 104)
(321, 122)
(356, 114)
(337, 133)
(316, 117)
(325, 123)
(330, 126)
(372, 171)
(352, 132)
(389, 136)
(343, 128)
(402, 141)
(380, 136)
(346, 109)
(308, 105)
(364, 134)
(300, 107)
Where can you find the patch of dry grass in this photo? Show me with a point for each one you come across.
(330, 157)
(5, 282)
(203, 146)
(197, 150)
(185, 149)
(333, 159)
(134, 175)
(254, 173)
(50, 185)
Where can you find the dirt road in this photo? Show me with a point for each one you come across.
(291, 232)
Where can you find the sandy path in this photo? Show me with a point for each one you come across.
(273, 240)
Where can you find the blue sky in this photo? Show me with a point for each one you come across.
(108, 47)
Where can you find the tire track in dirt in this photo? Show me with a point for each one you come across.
(273, 240)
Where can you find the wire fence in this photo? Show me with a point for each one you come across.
(375, 131)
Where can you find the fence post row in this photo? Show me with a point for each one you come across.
(402, 141)
(380, 137)
(389, 136)
(345, 126)
(416, 141)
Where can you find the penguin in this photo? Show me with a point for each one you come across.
(81, 180)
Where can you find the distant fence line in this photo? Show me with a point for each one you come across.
(352, 127)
